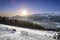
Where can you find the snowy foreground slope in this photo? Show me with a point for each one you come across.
(7, 33)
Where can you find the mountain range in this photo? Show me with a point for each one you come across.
(53, 17)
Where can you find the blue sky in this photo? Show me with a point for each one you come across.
(34, 6)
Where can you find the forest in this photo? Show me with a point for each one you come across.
(22, 23)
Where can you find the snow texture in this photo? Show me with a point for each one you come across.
(7, 33)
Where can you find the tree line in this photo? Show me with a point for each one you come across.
(21, 23)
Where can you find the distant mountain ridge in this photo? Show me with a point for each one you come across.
(40, 17)
(44, 14)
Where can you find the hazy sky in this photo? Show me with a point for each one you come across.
(34, 6)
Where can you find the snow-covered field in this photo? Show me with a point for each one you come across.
(7, 33)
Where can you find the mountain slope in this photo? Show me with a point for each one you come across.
(21, 34)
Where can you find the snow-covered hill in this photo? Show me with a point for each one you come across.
(7, 33)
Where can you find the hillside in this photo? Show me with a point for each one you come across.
(7, 33)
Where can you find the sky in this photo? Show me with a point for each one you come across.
(13, 7)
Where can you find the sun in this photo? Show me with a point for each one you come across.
(24, 13)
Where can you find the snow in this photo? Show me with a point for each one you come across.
(7, 33)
